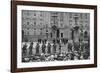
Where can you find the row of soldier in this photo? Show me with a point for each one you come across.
(45, 48)
(54, 48)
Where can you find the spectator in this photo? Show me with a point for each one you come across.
(70, 45)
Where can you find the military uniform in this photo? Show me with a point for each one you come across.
(49, 49)
(24, 50)
(30, 49)
(37, 48)
(43, 48)
(54, 48)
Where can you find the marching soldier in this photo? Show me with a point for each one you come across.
(43, 48)
(49, 48)
(54, 48)
(30, 48)
(37, 49)
(24, 50)
(70, 45)
(59, 47)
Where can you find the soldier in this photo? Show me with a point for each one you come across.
(76, 46)
(59, 47)
(40, 40)
(49, 48)
(37, 49)
(30, 48)
(24, 50)
(72, 56)
(54, 48)
(86, 54)
(45, 41)
(43, 48)
(62, 40)
(70, 45)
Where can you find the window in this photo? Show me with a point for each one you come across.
(51, 35)
(40, 29)
(41, 33)
(61, 17)
(28, 13)
(61, 25)
(34, 23)
(41, 14)
(70, 21)
(41, 24)
(34, 31)
(41, 19)
(34, 28)
(86, 25)
(34, 14)
(27, 23)
(27, 32)
(27, 28)
(70, 15)
(62, 35)
(85, 16)
(81, 15)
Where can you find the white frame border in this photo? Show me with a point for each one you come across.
(56, 63)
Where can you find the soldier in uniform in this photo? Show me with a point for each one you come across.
(45, 41)
(70, 45)
(54, 48)
(43, 48)
(37, 49)
(40, 40)
(30, 48)
(49, 48)
(59, 47)
(24, 50)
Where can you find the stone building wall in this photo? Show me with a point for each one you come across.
(37, 24)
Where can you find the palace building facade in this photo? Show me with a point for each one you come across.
(53, 25)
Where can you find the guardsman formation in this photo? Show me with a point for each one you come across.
(65, 49)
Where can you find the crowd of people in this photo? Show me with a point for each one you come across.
(57, 50)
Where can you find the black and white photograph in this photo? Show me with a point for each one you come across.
(52, 36)
(55, 36)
